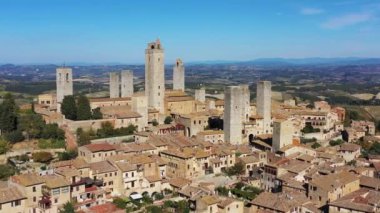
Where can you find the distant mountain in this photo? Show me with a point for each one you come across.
(296, 61)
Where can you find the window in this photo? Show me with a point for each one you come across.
(34, 189)
(65, 190)
(56, 200)
(110, 183)
(34, 199)
(55, 191)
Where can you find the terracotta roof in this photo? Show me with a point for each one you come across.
(10, 194)
(126, 167)
(362, 200)
(179, 98)
(210, 200)
(283, 202)
(54, 181)
(28, 179)
(105, 208)
(102, 167)
(370, 182)
(109, 99)
(101, 147)
(179, 182)
(333, 181)
(349, 147)
(153, 178)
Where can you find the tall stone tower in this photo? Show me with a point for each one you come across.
(282, 134)
(64, 80)
(140, 105)
(232, 115)
(200, 95)
(246, 102)
(263, 103)
(126, 83)
(114, 85)
(155, 75)
(179, 75)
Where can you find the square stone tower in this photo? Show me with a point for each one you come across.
(179, 75)
(140, 105)
(114, 85)
(64, 80)
(282, 134)
(155, 75)
(200, 95)
(126, 83)
(263, 103)
(246, 102)
(232, 115)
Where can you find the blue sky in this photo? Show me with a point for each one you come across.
(57, 31)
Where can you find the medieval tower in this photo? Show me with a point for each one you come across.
(282, 134)
(64, 80)
(179, 75)
(264, 106)
(155, 75)
(245, 102)
(114, 85)
(126, 83)
(232, 115)
(200, 95)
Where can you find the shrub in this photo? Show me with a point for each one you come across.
(168, 120)
(155, 122)
(15, 136)
(42, 157)
(51, 144)
(6, 171)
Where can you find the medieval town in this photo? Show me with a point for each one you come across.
(165, 150)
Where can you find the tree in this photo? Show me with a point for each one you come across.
(42, 157)
(336, 142)
(69, 108)
(106, 130)
(119, 202)
(315, 145)
(83, 108)
(15, 136)
(236, 169)
(4, 146)
(168, 120)
(8, 114)
(67, 208)
(32, 125)
(6, 171)
(97, 114)
(67, 155)
(52, 131)
(154, 122)
(83, 137)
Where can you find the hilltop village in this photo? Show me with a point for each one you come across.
(164, 150)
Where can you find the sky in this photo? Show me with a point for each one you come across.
(107, 31)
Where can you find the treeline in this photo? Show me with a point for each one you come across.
(106, 130)
(79, 108)
(15, 126)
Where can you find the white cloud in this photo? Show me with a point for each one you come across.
(346, 20)
(311, 11)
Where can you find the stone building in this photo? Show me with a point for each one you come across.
(64, 81)
(264, 105)
(232, 115)
(245, 102)
(155, 75)
(200, 95)
(126, 83)
(282, 134)
(179, 75)
(114, 85)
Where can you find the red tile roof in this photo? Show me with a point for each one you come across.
(99, 147)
